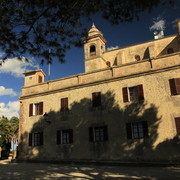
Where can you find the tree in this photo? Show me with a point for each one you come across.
(35, 26)
(8, 132)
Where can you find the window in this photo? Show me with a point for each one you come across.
(134, 93)
(39, 79)
(177, 122)
(36, 139)
(64, 104)
(137, 130)
(36, 109)
(65, 136)
(92, 50)
(137, 57)
(108, 64)
(96, 99)
(175, 86)
(170, 50)
(98, 134)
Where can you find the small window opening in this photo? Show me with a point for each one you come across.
(92, 50)
(137, 57)
(170, 50)
(108, 64)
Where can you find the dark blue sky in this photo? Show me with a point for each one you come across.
(117, 35)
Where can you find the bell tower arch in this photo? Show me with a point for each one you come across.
(94, 47)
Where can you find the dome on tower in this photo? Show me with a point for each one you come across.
(94, 31)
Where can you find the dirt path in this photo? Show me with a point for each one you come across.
(39, 171)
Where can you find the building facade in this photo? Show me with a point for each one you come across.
(125, 107)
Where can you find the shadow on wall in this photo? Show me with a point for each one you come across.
(172, 47)
(126, 133)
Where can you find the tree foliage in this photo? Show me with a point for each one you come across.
(35, 26)
(8, 130)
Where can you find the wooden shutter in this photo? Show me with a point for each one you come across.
(40, 79)
(145, 129)
(177, 83)
(105, 131)
(129, 131)
(91, 134)
(41, 138)
(58, 137)
(125, 94)
(31, 110)
(177, 121)
(40, 108)
(64, 104)
(172, 86)
(70, 136)
(140, 92)
(96, 99)
(30, 139)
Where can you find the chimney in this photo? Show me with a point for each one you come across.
(178, 25)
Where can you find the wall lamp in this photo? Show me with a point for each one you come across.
(46, 118)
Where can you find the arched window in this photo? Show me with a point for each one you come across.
(170, 50)
(137, 57)
(92, 50)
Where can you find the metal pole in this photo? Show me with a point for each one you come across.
(49, 70)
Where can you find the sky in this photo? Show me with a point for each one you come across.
(124, 34)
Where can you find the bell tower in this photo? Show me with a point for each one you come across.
(94, 47)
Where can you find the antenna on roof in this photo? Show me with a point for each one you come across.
(49, 63)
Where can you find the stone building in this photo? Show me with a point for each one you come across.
(125, 107)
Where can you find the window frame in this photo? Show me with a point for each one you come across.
(127, 94)
(98, 134)
(174, 85)
(36, 139)
(36, 109)
(96, 99)
(141, 131)
(177, 124)
(65, 136)
(64, 104)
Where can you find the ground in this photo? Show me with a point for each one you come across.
(39, 171)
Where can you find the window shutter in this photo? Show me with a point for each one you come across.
(64, 104)
(41, 138)
(40, 108)
(40, 79)
(140, 92)
(96, 99)
(172, 86)
(70, 135)
(129, 131)
(91, 135)
(125, 94)
(105, 131)
(58, 137)
(31, 110)
(177, 83)
(30, 139)
(145, 129)
(177, 121)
